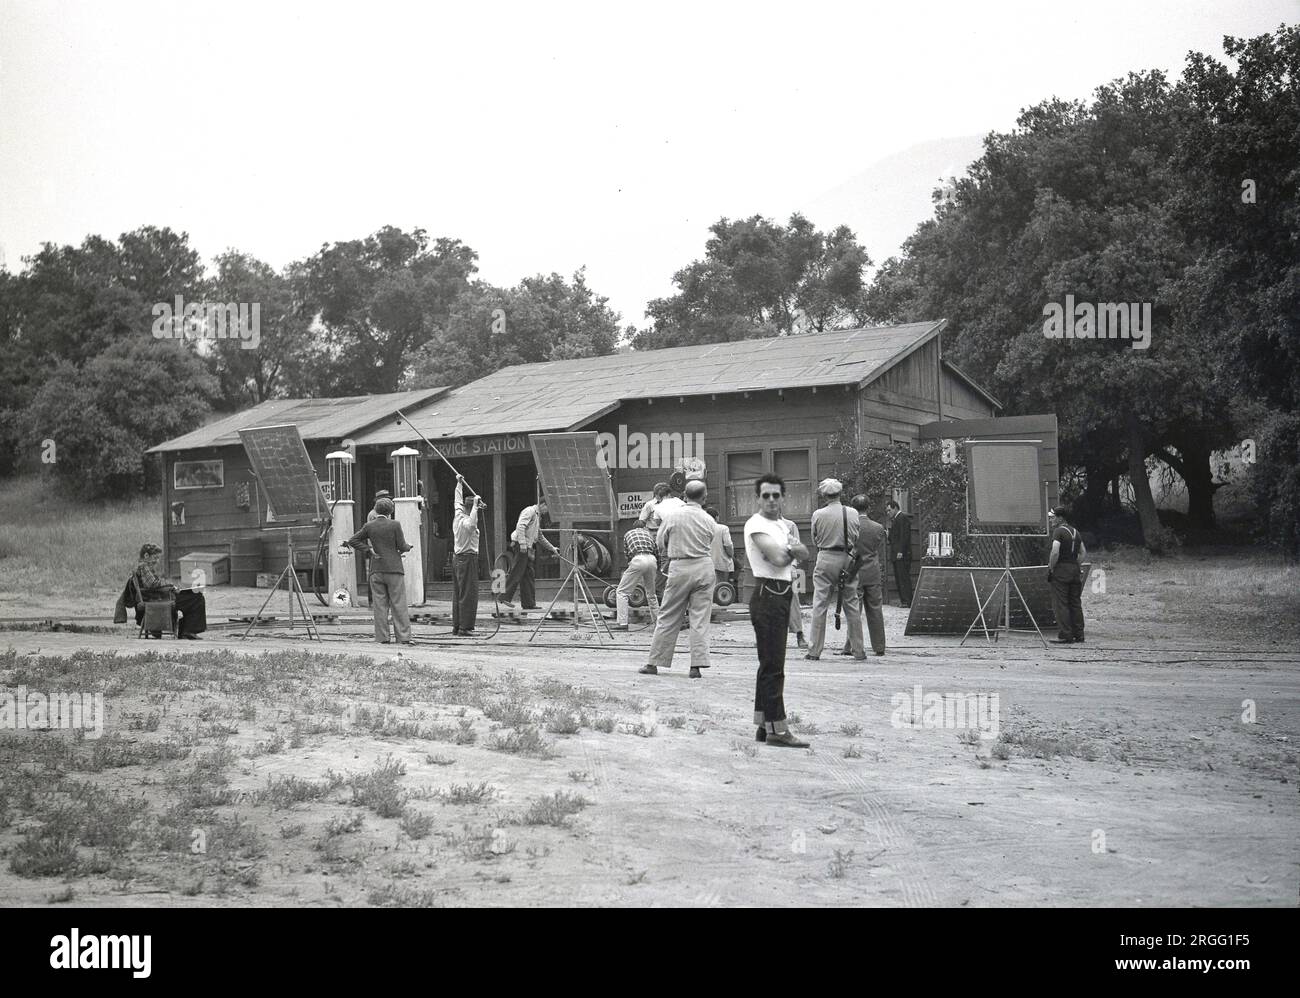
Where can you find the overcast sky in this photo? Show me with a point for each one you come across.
(545, 135)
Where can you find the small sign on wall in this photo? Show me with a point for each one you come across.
(630, 503)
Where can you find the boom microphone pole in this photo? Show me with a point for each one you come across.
(402, 418)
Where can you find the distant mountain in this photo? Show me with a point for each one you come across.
(885, 202)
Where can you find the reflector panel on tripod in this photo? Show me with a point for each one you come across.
(280, 461)
(576, 487)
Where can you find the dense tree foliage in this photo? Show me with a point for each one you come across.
(542, 318)
(1134, 197)
(759, 278)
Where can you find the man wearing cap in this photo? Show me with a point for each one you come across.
(1065, 576)
(374, 512)
(868, 556)
(834, 531)
(686, 536)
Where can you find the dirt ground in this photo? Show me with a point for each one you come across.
(503, 772)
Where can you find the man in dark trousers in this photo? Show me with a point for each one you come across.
(464, 564)
(900, 550)
(1066, 577)
(383, 537)
(523, 544)
(771, 551)
(868, 556)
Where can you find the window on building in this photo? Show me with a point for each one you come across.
(794, 466)
(742, 469)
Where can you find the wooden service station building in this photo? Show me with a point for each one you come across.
(743, 407)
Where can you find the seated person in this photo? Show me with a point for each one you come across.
(189, 605)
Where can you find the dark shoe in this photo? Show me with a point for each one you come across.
(761, 734)
(467, 632)
(189, 637)
(1078, 641)
(881, 653)
(1062, 641)
(802, 643)
(785, 739)
(813, 658)
(156, 635)
(648, 670)
(695, 673)
(532, 608)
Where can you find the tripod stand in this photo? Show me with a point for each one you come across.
(295, 591)
(1002, 587)
(581, 592)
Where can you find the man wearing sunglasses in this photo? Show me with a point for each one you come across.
(771, 551)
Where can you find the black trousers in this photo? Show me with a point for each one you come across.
(464, 604)
(903, 580)
(521, 577)
(769, 612)
(1067, 600)
(191, 609)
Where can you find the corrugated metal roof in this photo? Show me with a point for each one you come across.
(564, 394)
(316, 419)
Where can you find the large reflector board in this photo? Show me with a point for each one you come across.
(1004, 484)
(945, 600)
(280, 462)
(576, 487)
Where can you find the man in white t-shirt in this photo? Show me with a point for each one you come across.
(771, 552)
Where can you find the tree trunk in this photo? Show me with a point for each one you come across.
(1094, 494)
(1152, 532)
(1200, 483)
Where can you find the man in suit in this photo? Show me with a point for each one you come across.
(868, 556)
(383, 537)
(900, 550)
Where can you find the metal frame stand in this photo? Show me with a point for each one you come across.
(1004, 583)
(581, 596)
(295, 590)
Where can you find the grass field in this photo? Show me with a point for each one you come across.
(50, 544)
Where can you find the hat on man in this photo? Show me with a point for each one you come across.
(830, 487)
(383, 494)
